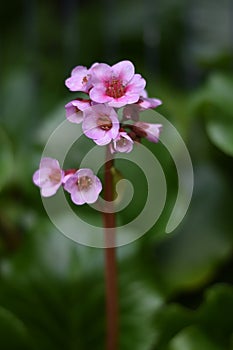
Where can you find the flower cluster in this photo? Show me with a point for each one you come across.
(82, 184)
(107, 89)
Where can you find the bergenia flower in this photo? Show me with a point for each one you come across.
(148, 103)
(123, 143)
(101, 124)
(154, 102)
(48, 177)
(132, 111)
(75, 108)
(83, 186)
(151, 131)
(80, 79)
(117, 85)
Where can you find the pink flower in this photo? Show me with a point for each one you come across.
(148, 103)
(101, 124)
(122, 143)
(80, 79)
(116, 85)
(48, 177)
(152, 131)
(75, 108)
(132, 111)
(83, 186)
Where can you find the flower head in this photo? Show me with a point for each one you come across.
(80, 79)
(75, 108)
(48, 177)
(151, 131)
(101, 124)
(122, 143)
(83, 186)
(148, 103)
(117, 85)
(132, 111)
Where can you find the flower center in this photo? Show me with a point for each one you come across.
(55, 176)
(122, 142)
(104, 123)
(115, 88)
(84, 183)
(85, 79)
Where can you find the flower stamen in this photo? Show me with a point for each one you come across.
(84, 183)
(104, 123)
(115, 88)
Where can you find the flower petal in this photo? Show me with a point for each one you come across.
(98, 94)
(100, 73)
(77, 197)
(147, 103)
(136, 85)
(48, 162)
(123, 70)
(49, 191)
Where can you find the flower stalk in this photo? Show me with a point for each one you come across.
(109, 220)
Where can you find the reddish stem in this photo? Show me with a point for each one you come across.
(110, 259)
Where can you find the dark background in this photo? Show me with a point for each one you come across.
(175, 290)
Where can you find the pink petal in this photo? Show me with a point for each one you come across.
(79, 70)
(97, 94)
(123, 143)
(77, 197)
(48, 162)
(147, 103)
(70, 183)
(144, 93)
(152, 130)
(92, 194)
(123, 70)
(49, 191)
(41, 177)
(85, 172)
(120, 102)
(91, 129)
(81, 104)
(101, 73)
(136, 85)
(101, 141)
(73, 114)
(75, 82)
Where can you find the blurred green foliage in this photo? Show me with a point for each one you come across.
(175, 290)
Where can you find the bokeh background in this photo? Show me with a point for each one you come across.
(175, 289)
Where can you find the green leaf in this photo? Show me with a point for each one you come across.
(13, 332)
(169, 320)
(192, 338)
(220, 131)
(215, 103)
(215, 316)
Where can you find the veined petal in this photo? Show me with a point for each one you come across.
(77, 197)
(102, 141)
(123, 70)
(149, 103)
(49, 191)
(100, 73)
(136, 85)
(48, 162)
(98, 94)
